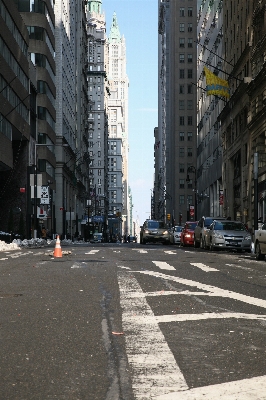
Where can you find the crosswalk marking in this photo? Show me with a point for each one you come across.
(246, 389)
(92, 252)
(210, 290)
(155, 371)
(204, 267)
(164, 265)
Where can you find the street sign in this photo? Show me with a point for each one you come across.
(45, 195)
(191, 211)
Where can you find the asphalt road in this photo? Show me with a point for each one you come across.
(128, 321)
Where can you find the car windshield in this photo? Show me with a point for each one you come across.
(191, 226)
(155, 224)
(97, 235)
(229, 226)
(178, 229)
(208, 222)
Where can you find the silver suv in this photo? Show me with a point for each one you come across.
(154, 231)
(201, 230)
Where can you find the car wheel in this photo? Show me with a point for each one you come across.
(259, 255)
(196, 244)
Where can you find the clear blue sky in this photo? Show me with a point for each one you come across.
(138, 22)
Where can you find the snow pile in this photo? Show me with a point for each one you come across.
(6, 247)
(18, 244)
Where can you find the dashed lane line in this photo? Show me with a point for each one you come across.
(164, 265)
(204, 267)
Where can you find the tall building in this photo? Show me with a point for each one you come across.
(209, 143)
(40, 22)
(72, 158)
(18, 92)
(243, 117)
(118, 121)
(97, 119)
(177, 133)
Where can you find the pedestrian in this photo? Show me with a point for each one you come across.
(128, 238)
(43, 233)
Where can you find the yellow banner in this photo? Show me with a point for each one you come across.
(215, 85)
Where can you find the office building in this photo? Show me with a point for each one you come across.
(117, 104)
(209, 142)
(177, 134)
(15, 133)
(72, 158)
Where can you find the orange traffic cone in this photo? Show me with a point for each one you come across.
(57, 250)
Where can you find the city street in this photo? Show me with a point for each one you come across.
(130, 321)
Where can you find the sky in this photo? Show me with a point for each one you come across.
(138, 23)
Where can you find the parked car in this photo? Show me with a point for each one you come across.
(154, 231)
(260, 243)
(201, 230)
(228, 235)
(175, 234)
(97, 238)
(187, 234)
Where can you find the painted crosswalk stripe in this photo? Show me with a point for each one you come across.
(155, 371)
(246, 389)
(204, 267)
(92, 252)
(164, 265)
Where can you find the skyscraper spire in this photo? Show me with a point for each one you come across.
(114, 31)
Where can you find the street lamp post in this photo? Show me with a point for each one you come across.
(193, 169)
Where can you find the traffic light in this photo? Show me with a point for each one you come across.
(168, 217)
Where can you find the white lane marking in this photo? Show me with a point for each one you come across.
(122, 266)
(239, 266)
(170, 252)
(194, 317)
(215, 291)
(246, 389)
(92, 252)
(141, 251)
(204, 267)
(155, 371)
(2, 259)
(163, 265)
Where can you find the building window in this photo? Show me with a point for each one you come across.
(189, 184)
(181, 199)
(181, 104)
(182, 42)
(189, 120)
(181, 12)
(189, 58)
(189, 27)
(181, 136)
(189, 136)
(181, 120)
(189, 199)
(181, 58)
(182, 27)
(189, 42)
(181, 151)
(181, 74)
(189, 88)
(182, 89)
(189, 73)
(99, 154)
(190, 104)
(181, 168)
(181, 183)
(189, 151)
(189, 12)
